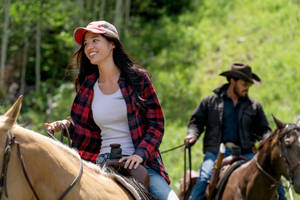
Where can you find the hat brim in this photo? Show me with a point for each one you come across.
(236, 74)
(79, 32)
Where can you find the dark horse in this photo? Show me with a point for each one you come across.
(278, 155)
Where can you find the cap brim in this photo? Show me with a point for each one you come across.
(79, 32)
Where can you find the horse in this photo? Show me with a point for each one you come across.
(278, 155)
(41, 168)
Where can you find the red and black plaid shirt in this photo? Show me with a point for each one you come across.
(146, 125)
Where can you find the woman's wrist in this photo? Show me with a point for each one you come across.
(66, 122)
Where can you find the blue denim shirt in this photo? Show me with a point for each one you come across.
(230, 121)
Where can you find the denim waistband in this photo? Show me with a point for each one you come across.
(102, 158)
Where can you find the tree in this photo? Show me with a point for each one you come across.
(4, 43)
(24, 64)
(102, 8)
(127, 13)
(118, 14)
(38, 56)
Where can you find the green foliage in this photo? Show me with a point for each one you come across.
(153, 9)
(46, 106)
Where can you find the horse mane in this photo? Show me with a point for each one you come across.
(129, 183)
(267, 137)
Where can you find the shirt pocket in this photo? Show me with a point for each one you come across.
(249, 120)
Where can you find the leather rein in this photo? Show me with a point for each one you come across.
(283, 154)
(10, 142)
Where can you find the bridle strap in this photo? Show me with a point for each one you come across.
(73, 183)
(283, 153)
(65, 130)
(6, 158)
(266, 173)
(190, 168)
(296, 165)
(10, 140)
(25, 173)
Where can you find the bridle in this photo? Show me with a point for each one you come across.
(283, 154)
(283, 151)
(10, 142)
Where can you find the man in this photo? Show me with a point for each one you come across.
(229, 116)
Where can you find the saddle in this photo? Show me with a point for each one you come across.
(140, 174)
(229, 164)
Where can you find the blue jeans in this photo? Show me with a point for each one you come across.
(159, 187)
(198, 191)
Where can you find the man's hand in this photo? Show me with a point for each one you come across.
(189, 140)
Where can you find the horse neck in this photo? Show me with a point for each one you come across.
(42, 158)
(258, 183)
(51, 168)
(269, 158)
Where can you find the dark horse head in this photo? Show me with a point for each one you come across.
(289, 142)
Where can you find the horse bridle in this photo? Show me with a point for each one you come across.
(283, 154)
(10, 141)
(291, 168)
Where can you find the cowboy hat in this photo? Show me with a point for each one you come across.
(242, 71)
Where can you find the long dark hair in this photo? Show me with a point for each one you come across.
(131, 71)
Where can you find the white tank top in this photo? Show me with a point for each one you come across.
(110, 114)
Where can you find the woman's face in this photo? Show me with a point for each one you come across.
(97, 48)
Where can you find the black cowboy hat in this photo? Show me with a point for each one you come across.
(242, 71)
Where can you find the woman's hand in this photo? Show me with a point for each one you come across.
(132, 161)
(57, 125)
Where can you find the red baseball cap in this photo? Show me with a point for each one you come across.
(95, 27)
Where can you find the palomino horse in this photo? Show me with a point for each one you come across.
(278, 155)
(51, 167)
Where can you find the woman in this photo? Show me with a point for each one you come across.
(115, 103)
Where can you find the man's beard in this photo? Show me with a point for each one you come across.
(239, 95)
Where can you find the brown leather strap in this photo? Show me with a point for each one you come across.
(190, 168)
(64, 131)
(277, 182)
(73, 183)
(3, 177)
(294, 167)
(10, 140)
(25, 173)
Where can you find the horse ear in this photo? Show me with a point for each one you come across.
(279, 124)
(13, 112)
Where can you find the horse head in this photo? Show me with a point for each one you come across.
(289, 142)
